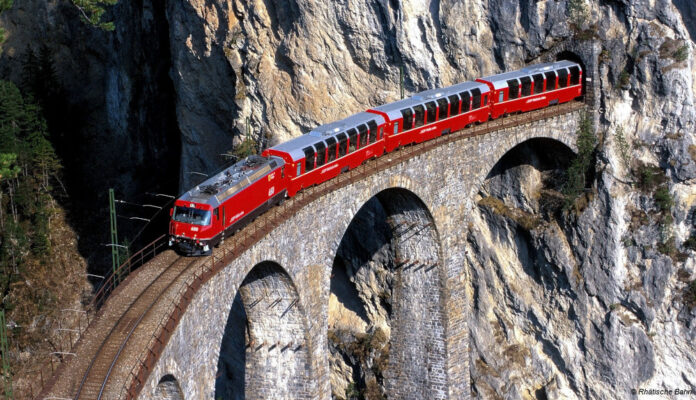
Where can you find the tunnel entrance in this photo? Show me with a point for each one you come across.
(571, 56)
(386, 323)
(264, 352)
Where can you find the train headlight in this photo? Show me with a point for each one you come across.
(206, 248)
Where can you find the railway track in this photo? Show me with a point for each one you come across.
(99, 370)
(133, 318)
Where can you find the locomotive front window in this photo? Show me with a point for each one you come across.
(431, 108)
(342, 144)
(420, 114)
(574, 75)
(191, 216)
(550, 80)
(562, 78)
(407, 115)
(526, 86)
(353, 136)
(373, 131)
(538, 83)
(331, 142)
(476, 99)
(454, 101)
(362, 129)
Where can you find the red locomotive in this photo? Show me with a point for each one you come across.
(229, 200)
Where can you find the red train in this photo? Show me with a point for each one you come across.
(229, 200)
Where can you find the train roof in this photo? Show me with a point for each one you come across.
(294, 146)
(499, 81)
(393, 110)
(217, 189)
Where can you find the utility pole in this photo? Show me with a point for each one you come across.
(7, 376)
(401, 80)
(115, 262)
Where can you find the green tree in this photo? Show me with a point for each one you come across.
(580, 167)
(92, 12)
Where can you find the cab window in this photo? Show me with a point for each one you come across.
(191, 216)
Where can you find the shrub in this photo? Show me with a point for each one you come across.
(663, 199)
(649, 177)
(690, 242)
(681, 54)
(624, 79)
(690, 295)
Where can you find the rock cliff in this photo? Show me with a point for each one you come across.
(583, 304)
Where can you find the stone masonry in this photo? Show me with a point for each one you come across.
(280, 286)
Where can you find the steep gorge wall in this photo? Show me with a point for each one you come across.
(291, 65)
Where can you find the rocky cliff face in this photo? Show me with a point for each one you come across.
(572, 305)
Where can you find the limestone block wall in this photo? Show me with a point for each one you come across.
(431, 305)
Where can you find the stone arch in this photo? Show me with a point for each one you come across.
(509, 269)
(385, 306)
(168, 388)
(264, 350)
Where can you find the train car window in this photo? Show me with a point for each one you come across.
(575, 75)
(454, 101)
(309, 158)
(407, 114)
(442, 108)
(431, 110)
(216, 212)
(538, 83)
(321, 153)
(485, 99)
(562, 78)
(475, 98)
(396, 128)
(466, 104)
(381, 133)
(299, 171)
(353, 136)
(501, 97)
(342, 144)
(331, 146)
(420, 114)
(526, 85)
(550, 80)
(362, 129)
(373, 131)
(513, 89)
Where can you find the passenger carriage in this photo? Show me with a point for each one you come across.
(534, 87)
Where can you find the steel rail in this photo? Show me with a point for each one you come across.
(131, 307)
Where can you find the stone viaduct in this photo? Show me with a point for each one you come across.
(283, 283)
(262, 326)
